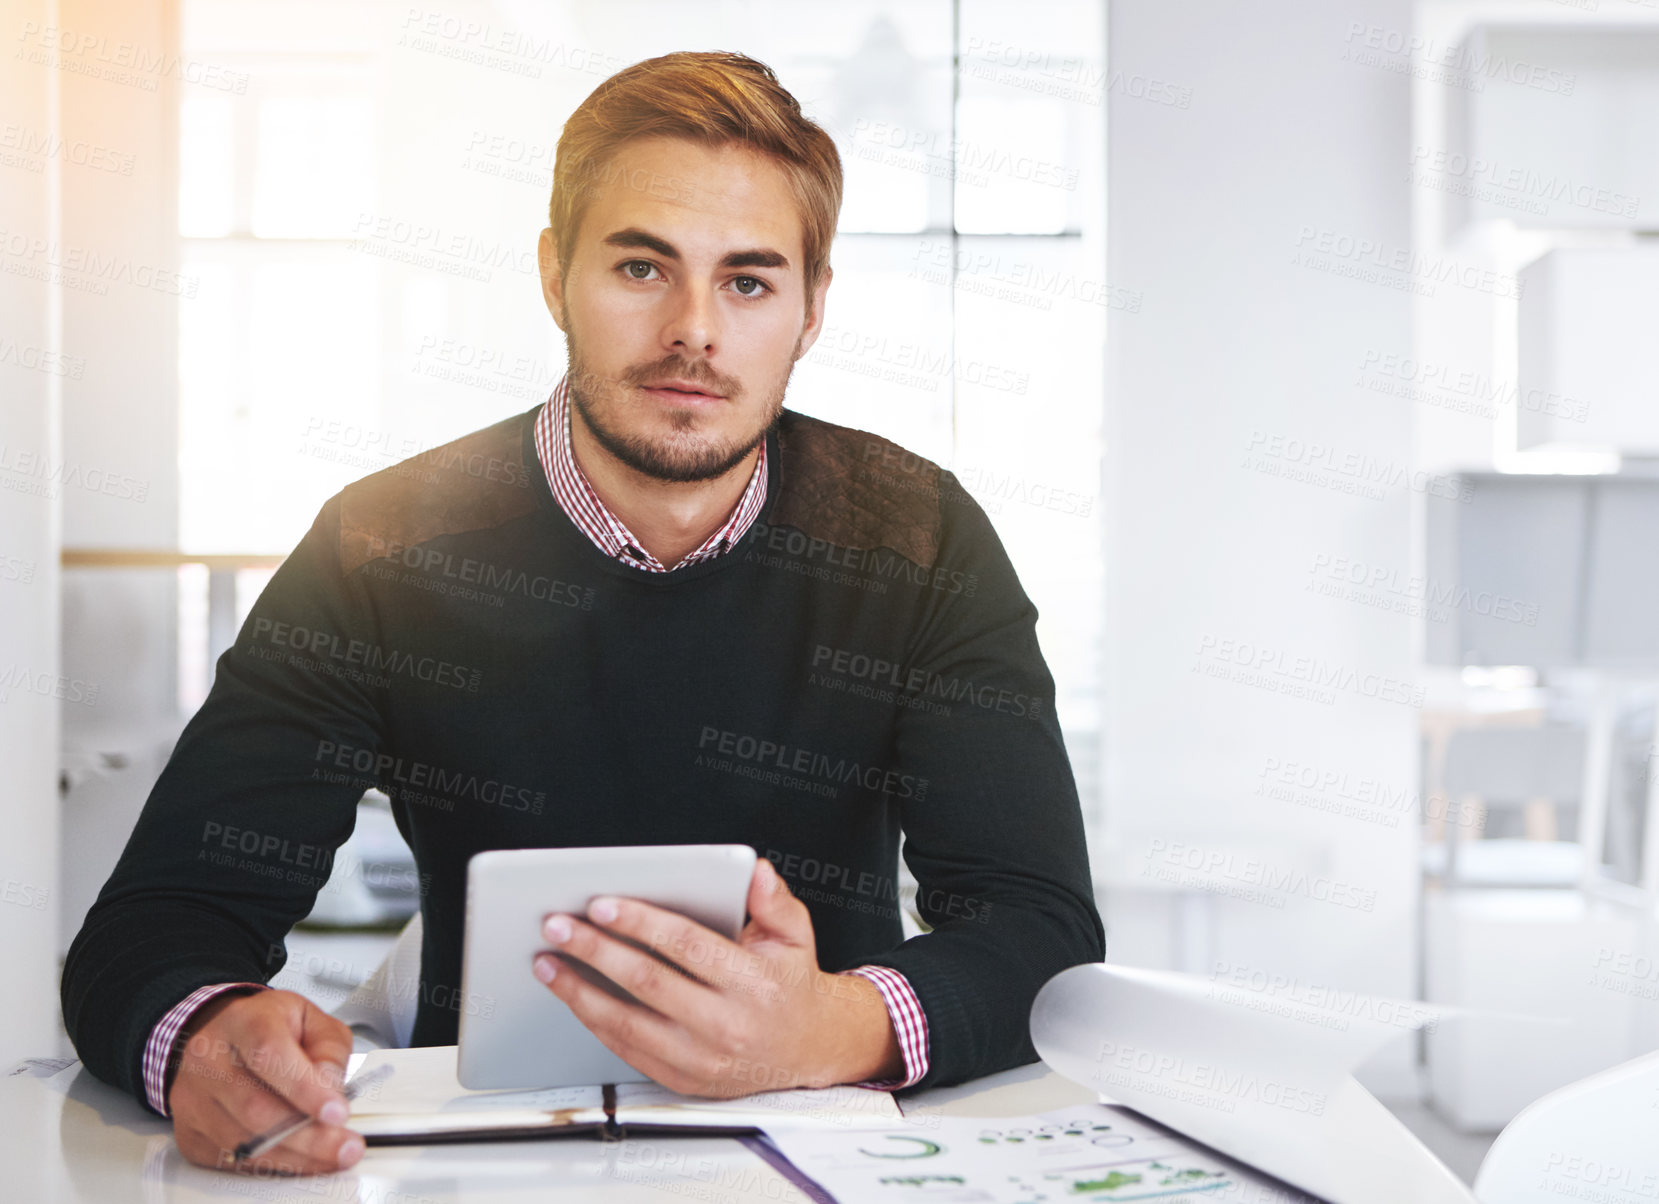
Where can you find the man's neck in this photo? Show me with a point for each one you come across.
(669, 518)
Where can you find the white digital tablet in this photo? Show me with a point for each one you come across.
(515, 1033)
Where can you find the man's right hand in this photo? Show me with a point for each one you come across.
(250, 1063)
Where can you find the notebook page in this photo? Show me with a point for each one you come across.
(422, 1094)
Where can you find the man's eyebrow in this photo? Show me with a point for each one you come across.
(755, 259)
(759, 257)
(633, 236)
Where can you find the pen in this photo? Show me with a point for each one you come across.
(259, 1143)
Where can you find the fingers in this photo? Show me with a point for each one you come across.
(268, 1043)
(765, 887)
(669, 1055)
(760, 998)
(626, 1029)
(646, 977)
(677, 937)
(327, 1041)
(316, 1149)
(261, 1062)
(775, 912)
(680, 1078)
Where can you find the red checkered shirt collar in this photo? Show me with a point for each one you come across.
(575, 495)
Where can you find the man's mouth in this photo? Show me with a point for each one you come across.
(672, 390)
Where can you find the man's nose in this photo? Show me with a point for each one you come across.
(692, 324)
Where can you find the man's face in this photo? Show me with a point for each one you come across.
(684, 306)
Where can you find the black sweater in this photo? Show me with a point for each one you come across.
(863, 662)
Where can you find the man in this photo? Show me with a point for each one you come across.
(657, 609)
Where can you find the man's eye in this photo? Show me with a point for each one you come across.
(759, 286)
(639, 269)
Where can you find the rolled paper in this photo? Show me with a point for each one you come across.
(1261, 1077)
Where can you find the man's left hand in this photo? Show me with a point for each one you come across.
(754, 1014)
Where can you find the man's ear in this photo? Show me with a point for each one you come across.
(552, 279)
(814, 315)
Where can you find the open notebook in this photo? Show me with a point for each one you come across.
(420, 1100)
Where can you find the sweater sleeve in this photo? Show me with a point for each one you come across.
(992, 828)
(239, 832)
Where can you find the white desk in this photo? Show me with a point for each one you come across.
(71, 1139)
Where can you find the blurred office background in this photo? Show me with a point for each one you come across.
(1301, 352)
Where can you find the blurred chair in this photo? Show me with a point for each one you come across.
(1513, 922)
(1518, 784)
(373, 881)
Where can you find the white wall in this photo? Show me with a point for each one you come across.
(86, 658)
(30, 404)
(1241, 218)
(120, 422)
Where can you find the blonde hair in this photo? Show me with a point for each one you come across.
(712, 97)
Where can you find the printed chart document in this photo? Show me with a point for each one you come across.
(421, 1100)
(1205, 1092)
(1092, 1152)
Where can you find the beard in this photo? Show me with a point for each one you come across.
(684, 454)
